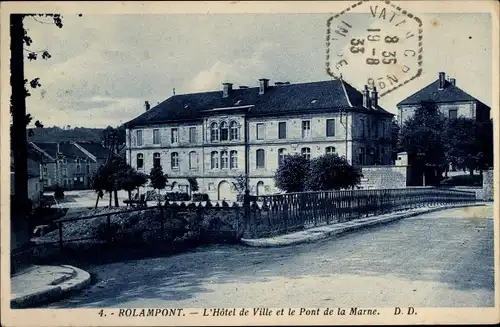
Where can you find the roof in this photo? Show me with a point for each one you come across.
(48, 147)
(450, 93)
(67, 149)
(304, 97)
(95, 148)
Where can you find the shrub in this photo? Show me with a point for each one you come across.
(201, 197)
(331, 172)
(177, 196)
(58, 192)
(291, 173)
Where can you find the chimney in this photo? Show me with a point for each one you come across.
(374, 97)
(243, 87)
(263, 85)
(442, 80)
(453, 81)
(226, 89)
(366, 97)
(147, 106)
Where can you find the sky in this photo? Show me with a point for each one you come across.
(104, 67)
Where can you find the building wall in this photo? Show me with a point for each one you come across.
(384, 177)
(35, 190)
(464, 109)
(218, 182)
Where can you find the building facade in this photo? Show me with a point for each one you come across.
(70, 165)
(451, 101)
(219, 136)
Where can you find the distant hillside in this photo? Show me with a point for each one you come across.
(57, 134)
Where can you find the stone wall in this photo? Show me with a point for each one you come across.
(383, 177)
(488, 182)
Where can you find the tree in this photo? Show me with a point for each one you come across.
(331, 172)
(193, 185)
(395, 131)
(102, 182)
(291, 173)
(132, 179)
(422, 137)
(19, 38)
(240, 184)
(158, 179)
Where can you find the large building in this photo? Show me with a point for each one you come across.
(217, 136)
(451, 100)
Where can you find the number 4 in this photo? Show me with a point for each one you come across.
(101, 313)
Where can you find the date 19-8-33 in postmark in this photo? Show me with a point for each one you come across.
(374, 43)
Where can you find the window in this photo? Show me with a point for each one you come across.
(282, 130)
(65, 172)
(175, 135)
(306, 152)
(156, 136)
(45, 171)
(140, 161)
(139, 138)
(192, 134)
(306, 129)
(330, 127)
(156, 159)
(214, 160)
(361, 156)
(453, 113)
(174, 160)
(281, 156)
(193, 160)
(211, 186)
(233, 159)
(78, 166)
(233, 126)
(363, 132)
(224, 160)
(88, 168)
(330, 150)
(261, 158)
(260, 131)
(224, 131)
(214, 132)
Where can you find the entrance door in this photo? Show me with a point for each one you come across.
(225, 192)
(260, 188)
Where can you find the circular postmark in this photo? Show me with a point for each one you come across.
(374, 43)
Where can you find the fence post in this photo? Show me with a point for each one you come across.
(162, 222)
(285, 215)
(108, 227)
(60, 235)
(246, 208)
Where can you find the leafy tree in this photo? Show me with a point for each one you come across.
(395, 131)
(240, 185)
(331, 172)
(423, 137)
(292, 173)
(131, 179)
(158, 179)
(193, 185)
(102, 181)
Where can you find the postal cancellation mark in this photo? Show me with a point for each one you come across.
(386, 48)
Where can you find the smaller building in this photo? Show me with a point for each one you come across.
(70, 164)
(452, 101)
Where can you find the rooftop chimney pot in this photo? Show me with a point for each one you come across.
(453, 81)
(263, 85)
(147, 106)
(442, 80)
(374, 97)
(366, 97)
(226, 89)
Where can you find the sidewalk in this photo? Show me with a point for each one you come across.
(38, 284)
(326, 231)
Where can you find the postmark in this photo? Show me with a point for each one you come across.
(374, 43)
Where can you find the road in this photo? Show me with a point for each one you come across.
(442, 259)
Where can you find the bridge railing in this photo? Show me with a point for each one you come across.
(272, 215)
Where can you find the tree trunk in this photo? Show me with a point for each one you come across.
(129, 195)
(110, 198)
(116, 198)
(97, 200)
(159, 195)
(471, 171)
(18, 107)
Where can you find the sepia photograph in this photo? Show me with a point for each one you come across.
(244, 163)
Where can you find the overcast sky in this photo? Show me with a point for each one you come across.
(104, 67)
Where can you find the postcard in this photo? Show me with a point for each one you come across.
(249, 163)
